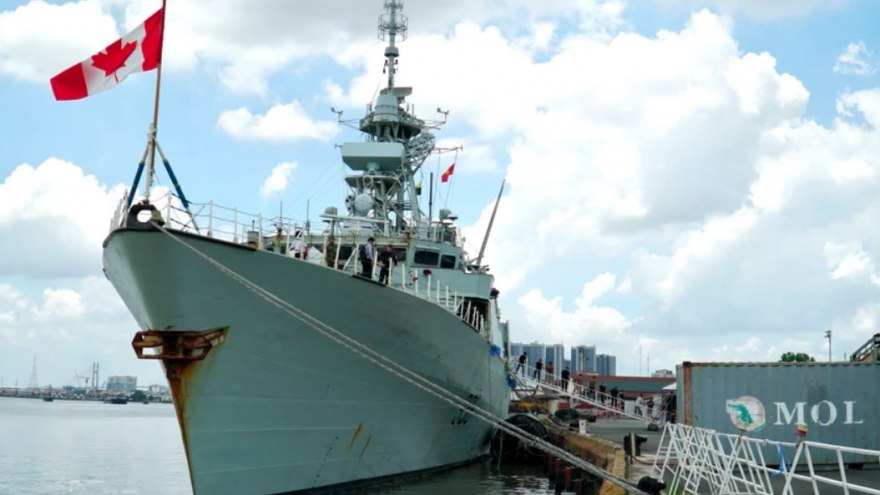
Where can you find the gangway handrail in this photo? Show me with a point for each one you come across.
(581, 394)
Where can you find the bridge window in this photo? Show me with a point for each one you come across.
(426, 258)
(447, 261)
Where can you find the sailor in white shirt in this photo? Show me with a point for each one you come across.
(368, 254)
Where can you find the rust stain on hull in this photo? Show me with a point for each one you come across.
(180, 352)
(364, 449)
(354, 437)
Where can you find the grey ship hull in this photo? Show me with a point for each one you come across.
(277, 407)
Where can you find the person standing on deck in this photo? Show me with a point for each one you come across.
(387, 262)
(330, 252)
(537, 374)
(592, 385)
(298, 246)
(548, 377)
(565, 375)
(367, 253)
(602, 390)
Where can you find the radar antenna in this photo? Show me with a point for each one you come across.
(392, 25)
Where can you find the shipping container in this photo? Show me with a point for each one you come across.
(839, 403)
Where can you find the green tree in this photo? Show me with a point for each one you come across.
(796, 357)
(138, 396)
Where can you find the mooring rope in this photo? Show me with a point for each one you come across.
(406, 374)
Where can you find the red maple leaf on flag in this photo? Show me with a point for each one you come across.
(114, 57)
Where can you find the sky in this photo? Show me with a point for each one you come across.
(685, 179)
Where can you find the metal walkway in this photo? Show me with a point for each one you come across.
(579, 393)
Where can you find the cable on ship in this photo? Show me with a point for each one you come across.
(407, 375)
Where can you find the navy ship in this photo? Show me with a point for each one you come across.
(267, 403)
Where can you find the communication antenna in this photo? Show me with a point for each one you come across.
(392, 25)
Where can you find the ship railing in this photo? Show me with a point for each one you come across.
(407, 279)
(698, 460)
(610, 406)
(234, 225)
(216, 221)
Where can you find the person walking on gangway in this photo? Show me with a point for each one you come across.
(521, 366)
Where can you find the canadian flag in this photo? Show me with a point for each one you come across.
(137, 51)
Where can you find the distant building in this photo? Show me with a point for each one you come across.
(583, 359)
(555, 353)
(606, 365)
(121, 384)
(516, 351)
(663, 374)
(158, 389)
(534, 351)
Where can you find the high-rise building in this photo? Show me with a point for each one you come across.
(515, 351)
(534, 351)
(583, 359)
(606, 365)
(121, 383)
(555, 353)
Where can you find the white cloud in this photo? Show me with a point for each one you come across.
(248, 41)
(39, 39)
(856, 59)
(54, 301)
(759, 9)
(278, 179)
(283, 122)
(53, 218)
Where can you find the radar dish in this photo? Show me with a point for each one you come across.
(363, 204)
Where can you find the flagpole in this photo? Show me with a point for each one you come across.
(151, 167)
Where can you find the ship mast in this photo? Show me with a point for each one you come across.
(384, 194)
(390, 25)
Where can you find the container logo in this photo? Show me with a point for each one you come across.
(747, 413)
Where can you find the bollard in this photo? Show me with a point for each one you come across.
(566, 477)
(559, 485)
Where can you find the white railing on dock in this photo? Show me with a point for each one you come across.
(233, 225)
(698, 460)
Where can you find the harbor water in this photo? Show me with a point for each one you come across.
(79, 448)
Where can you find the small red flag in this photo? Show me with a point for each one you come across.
(137, 51)
(447, 173)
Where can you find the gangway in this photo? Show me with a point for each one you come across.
(868, 352)
(579, 393)
(702, 461)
